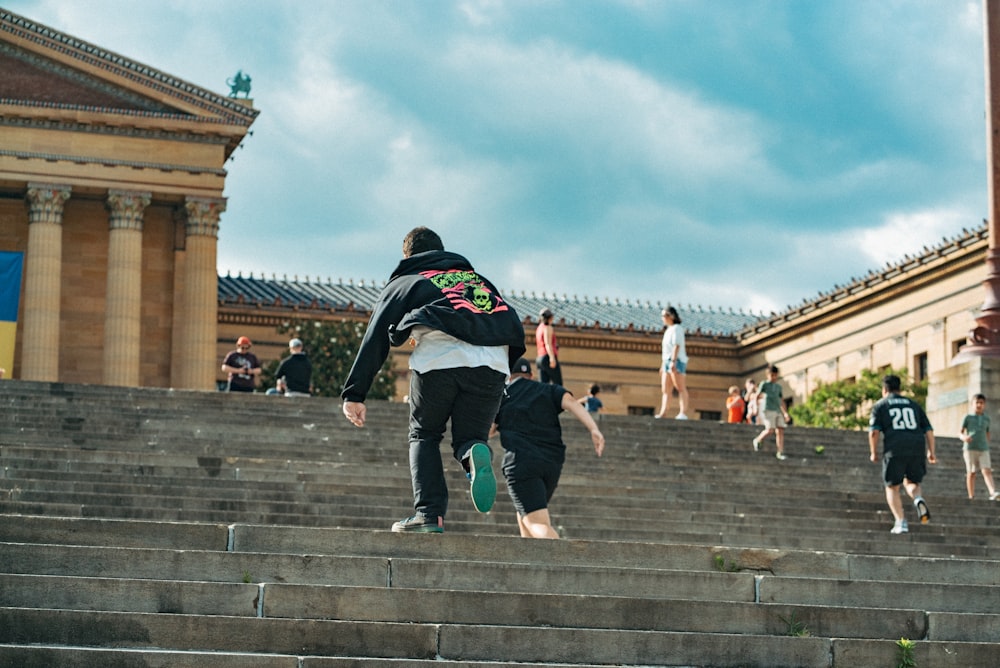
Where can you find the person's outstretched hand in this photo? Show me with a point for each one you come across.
(355, 411)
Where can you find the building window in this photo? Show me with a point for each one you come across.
(920, 367)
(956, 346)
(714, 416)
(640, 410)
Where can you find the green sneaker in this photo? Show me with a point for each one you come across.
(419, 524)
(484, 483)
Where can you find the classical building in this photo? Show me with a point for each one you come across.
(111, 186)
(111, 182)
(914, 314)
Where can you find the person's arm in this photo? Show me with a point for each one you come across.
(873, 445)
(581, 414)
(494, 430)
(931, 457)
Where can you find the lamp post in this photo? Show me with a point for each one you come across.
(984, 338)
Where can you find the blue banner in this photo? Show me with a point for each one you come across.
(10, 297)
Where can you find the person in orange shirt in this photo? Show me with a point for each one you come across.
(736, 405)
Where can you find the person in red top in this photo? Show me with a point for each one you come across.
(548, 350)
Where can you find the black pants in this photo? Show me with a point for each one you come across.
(470, 399)
(547, 374)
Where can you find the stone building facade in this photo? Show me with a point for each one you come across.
(111, 185)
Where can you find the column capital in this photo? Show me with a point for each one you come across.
(127, 207)
(46, 201)
(203, 215)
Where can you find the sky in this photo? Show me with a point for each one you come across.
(744, 154)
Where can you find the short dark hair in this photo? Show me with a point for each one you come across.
(419, 240)
(772, 369)
(595, 388)
(892, 383)
(979, 396)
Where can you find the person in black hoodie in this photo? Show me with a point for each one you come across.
(465, 339)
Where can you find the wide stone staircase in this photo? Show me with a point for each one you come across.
(144, 527)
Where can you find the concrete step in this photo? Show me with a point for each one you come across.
(80, 543)
(684, 547)
(464, 642)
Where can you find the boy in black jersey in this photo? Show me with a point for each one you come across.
(531, 435)
(907, 447)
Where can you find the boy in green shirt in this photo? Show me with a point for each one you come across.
(975, 437)
(773, 413)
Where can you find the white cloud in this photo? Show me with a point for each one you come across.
(908, 233)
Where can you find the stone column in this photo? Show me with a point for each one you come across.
(42, 282)
(122, 316)
(197, 312)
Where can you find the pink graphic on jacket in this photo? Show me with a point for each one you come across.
(466, 290)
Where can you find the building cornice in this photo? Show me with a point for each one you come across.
(877, 287)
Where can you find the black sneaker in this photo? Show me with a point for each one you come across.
(921, 506)
(420, 524)
(484, 483)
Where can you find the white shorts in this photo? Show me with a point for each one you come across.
(773, 419)
(976, 460)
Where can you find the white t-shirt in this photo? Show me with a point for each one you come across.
(674, 336)
(437, 350)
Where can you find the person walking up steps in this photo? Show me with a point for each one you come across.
(466, 336)
(531, 435)
(907, 448)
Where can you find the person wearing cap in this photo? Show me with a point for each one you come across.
(242, 366)
(295, 371)
(547, 358)
(465, 336)
(531, 436)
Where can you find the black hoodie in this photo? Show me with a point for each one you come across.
(439, 290)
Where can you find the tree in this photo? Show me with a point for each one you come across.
(846, 404)
(331, 347)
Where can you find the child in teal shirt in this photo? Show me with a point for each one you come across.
(975, 436)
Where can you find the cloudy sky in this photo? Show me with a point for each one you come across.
(722, 153)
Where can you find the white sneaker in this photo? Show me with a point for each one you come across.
(900, 527)
(681, 416)
(994, 496)
(756, 445)
(781, 455)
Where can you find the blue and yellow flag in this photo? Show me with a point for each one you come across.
(10, 297)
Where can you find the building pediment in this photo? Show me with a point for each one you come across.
(32, 80)
(55, 81)
(76, 114)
